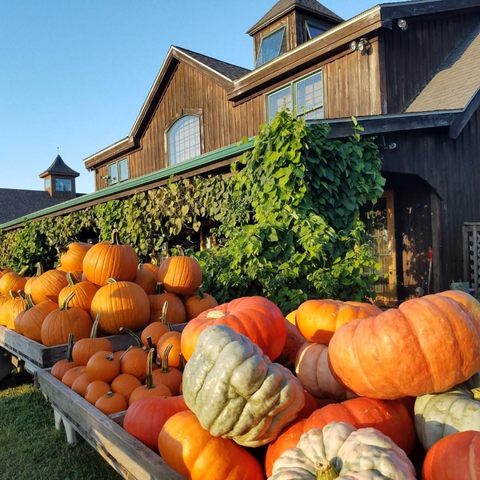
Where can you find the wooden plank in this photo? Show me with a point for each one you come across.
(122, 451)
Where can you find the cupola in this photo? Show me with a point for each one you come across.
(59, 179)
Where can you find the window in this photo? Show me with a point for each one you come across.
(118, 172)
(304, 94)
(47, 183)
(272, 46)
(314, 30)
(63, 185)
(183, 139)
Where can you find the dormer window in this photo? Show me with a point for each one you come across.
(314, 29)
(272, 45)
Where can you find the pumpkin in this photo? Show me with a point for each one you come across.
(71, 375)
(86, 347)
(147, 280)
(118, 354)
(441, 414)
(293, 342)
(11, 308)
(175, 314)
(198, 303)
(120, 304)
(13, 281)
(110, 260)
(4, 299)
(84, 293)
(236, 391)
(312, 369)
(291, 317)
(111, 403)
(453, 458)
(125, 384)
(95, 390)
(81, 383)
(318, 320)
(63, 366)
(151, 267)
(169, 376)
(71, 256)
(389, 417)
(59, 323)
(48, 285)
(197, 455)
(340, 450)
(134, 360)
(311, 404)
(173, 338)
(469, 302)
(28, 285)
(180, 274)
(149, 390)
(255, 317)
(34, 316)
(103, 366)
(147, 416)
(155, 330)
(428, 345)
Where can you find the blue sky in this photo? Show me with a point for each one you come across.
(74, 74)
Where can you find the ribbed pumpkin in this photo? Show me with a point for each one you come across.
(195, 454)
(110, 260)
(17, 323)
(152, 267)
(111, 403)
(469, 302)
(31, 280)
(13, 281)
(174, 338)
(63, 366)
(95, 390)
(389, 417)
(433, 341)
(81, 383)
(318, 320)
(166, 375)
(86, 347)
(149, 390)
(236, 391)
(180, 275)
(11, 308)
(71, 256)
(340, 450)
(72, 374)
(199, 303)
(456, 457)
(147, 416)
(48, 285)
(175, 314)
(257, 318)
(103, 366)
(312, 369)
(34, 316)
(147, 280)
(4, 299)
(84, 293)
(59, 323)
(125, 384)
(120, 304)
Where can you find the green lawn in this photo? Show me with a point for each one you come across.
(31, 447)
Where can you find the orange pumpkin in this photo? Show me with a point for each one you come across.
(81, 383)
(291, 317)
(111, 403)
(72, 374)
(11, 308)
(169, 376)
(433, 341)
(95, 390)
(180, 275)
(152, 267)
(125, 384)
(86, 347)
(176, 310)
(155, 330)
(13, 281)
(31, 280)
(110, 260)
(34, 316)
(63, 366)
(318, 320)
(84, 293)
(199, 303)
(293, 342)
(133, 361)
(147, 280)
(120, 304)
(173, 338)
(71, 257)
(48, 286)
(103, 366)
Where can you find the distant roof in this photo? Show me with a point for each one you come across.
(456, 82)
(226, 69)
(18, 203)
(60, 167)
(283, 6)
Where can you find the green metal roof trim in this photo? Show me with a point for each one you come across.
(200, 161)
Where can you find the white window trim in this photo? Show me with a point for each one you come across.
(116, 164)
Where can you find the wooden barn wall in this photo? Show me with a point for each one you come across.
(452, 169)
(413, 56)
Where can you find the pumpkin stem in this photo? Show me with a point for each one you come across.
(40, 269)
(23, 271)
(110, 357)
(159, 288)
(151, 345)
(134, 335)
(163, 317)
(12, 294)
(183, 362)
(180, 250)
(115, 237)
(71, 279)
(200, 294)
(61, 249)
(93, 333)
(112, 280)
(29, 302)
(170, 327)
(149, 385)
(165, 368)
(476, 393)
(325, 470)
(125, 352)
(110, 394)
(21, 294)
(65, 303)
(70, 348)
(153, 259)
(216, 314)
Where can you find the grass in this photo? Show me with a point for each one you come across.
(31, 447)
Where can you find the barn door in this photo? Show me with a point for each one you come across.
(380, 223)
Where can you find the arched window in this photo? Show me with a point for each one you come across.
(184, 139)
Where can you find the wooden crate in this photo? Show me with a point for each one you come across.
(37, 356)
(129, 457)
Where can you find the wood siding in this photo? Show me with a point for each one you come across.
(413, 56)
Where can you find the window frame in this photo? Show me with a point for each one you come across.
(197, 113)
(55, 189)
(313, 24)
(283, 27)
(293, 89)
(116, 166)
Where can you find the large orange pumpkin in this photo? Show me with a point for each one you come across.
(11, 308)
(195, 454)
(120, 304)
(85, 348)
(428, 345)
(257, 318)
(71, 256)
(32, 319)
(48, 285)
(180, 275)
(13, 281)
(84, 293)
(391, 418)
(31, 280)
(175, 313)
(318, 320)
(110, 260)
